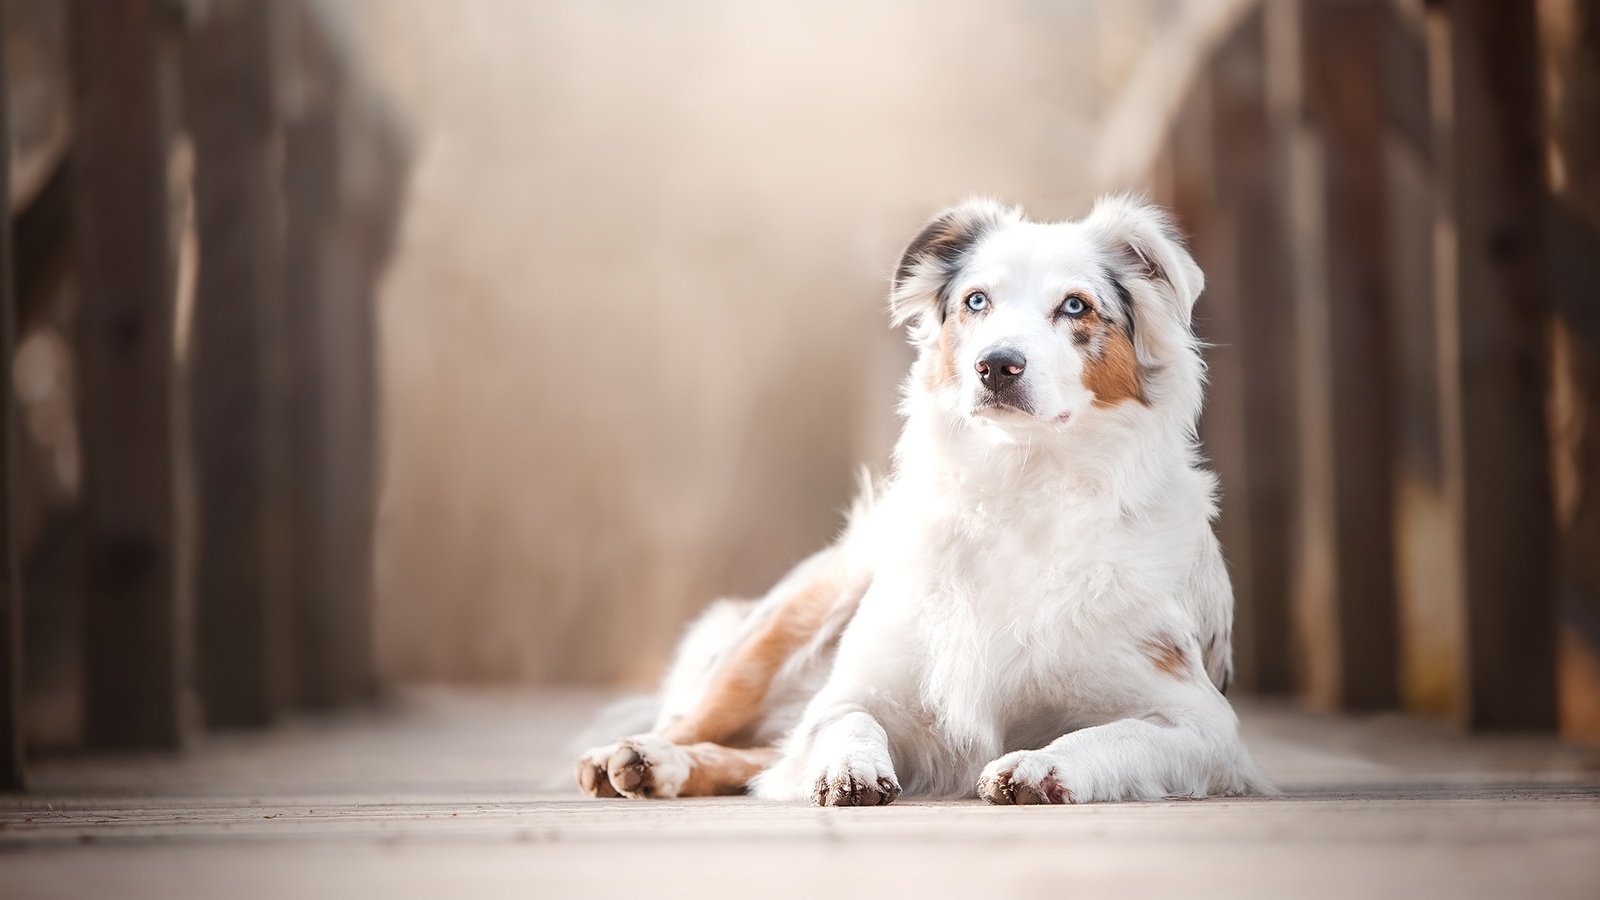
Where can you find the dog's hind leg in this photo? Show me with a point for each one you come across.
(651, 766)
(689, 753)
(822, 589)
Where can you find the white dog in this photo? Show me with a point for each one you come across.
(1033, 607)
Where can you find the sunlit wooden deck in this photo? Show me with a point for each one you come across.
(466, 794)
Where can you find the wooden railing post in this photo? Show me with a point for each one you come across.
(1245, 319)
(11, 773)
(1570, 46)
(236, 369)
(127, 99)
(1345, 600)
(329, 404)
(1499, 366)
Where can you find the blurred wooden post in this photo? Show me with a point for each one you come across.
(11, 776)
(330, 634)
(1500, 366)
(1346, 599)
(1572, 52)
(1427, 545)
(310, 188)
(373, 164)
(241, 612)
(1247, 312)
(126, 91)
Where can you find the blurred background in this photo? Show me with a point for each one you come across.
(357, 344)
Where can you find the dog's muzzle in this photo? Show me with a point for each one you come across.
(1000, 370)
(1000, 367)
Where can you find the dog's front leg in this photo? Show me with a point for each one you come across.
(850, 763)
(1178, 738)
(839, 756)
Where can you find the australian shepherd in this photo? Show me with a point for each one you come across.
(1032, 607)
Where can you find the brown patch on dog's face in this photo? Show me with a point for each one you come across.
(946, 369)
(1114, 374)
(1167, 656)
(1110, 367)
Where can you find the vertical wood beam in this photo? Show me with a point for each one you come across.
(1427, 545)
(11, 772)
(1249, 422)
(241, 601)
(1346, 613)
(1570, 46)
(311, 186)
(318, 284)
(126, 93)
(1500, 366)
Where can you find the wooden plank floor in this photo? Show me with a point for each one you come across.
(445, 793)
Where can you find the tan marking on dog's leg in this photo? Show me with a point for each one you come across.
(733, 699)
(1167, 656)
(722, 770)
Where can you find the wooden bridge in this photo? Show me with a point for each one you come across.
(1397, 205)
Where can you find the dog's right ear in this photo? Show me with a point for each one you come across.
(935, 255)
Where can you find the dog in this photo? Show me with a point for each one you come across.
(1033, 607)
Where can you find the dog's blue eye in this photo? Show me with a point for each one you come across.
(1074, 306)
(977, 301)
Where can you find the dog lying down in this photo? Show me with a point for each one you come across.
(1033, 606)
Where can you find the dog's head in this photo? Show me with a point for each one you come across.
(1023, 323)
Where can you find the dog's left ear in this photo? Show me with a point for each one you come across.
(935, 255)
(1145, 246)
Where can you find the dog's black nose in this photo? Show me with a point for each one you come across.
(999, 367)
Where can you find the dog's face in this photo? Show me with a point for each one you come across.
(1022, 324)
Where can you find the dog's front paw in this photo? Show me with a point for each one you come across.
(856, 780)
(1024, 778)
(592, 777)
(645, 765)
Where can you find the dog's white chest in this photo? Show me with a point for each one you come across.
(1010, 602)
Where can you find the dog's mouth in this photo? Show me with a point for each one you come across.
(1001, 407)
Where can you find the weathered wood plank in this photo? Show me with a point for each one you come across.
(1500, 364)
(329, 641)
(1570, 44)
(11, 727)
(1427, 548)
(235, 385)
(42, 245)
(1249, 424)
(1346, 617)
(310, 188)
(126, 93)
(39, 95)
(454, 789)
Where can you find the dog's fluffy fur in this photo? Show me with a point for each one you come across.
(1033, 607)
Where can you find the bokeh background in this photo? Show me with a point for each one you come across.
(634, 333)
(486, 342)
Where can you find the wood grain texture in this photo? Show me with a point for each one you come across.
(447, 793)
